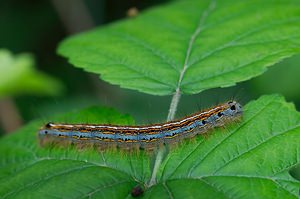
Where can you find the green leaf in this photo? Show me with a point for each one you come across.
(252, 160)
(249, 159)
(189, 45)
(29, 171)
(18, 76)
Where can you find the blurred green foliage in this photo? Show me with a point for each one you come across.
(18, 76)
(282, 78)
(35, 26)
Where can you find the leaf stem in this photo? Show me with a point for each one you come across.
(176, 97)
(174, 104)
(160, 152)
(177, 94)
(158, 161)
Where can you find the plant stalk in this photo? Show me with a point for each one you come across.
(177, 94)
(173, 105)
(160, 153)
(158, 161)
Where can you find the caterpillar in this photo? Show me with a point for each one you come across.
(143, 137)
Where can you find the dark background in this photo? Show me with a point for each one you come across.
(37, 26)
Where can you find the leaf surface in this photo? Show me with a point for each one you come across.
(189, 45)
(248, 159)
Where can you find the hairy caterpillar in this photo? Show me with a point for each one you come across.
(143, 137)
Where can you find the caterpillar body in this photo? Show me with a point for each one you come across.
(144, 137)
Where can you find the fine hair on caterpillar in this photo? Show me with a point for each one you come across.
(149, 137)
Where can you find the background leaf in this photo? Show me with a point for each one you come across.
(190, 45)
(250, 159)
(18, 76)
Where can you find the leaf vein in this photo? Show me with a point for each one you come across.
(257, 146)
(194, 36)
(103, 187)
(168, 190)
(226, 138)
(237, 68)
(186, 157)
(156, 52)
(242, 36)
(47, 178)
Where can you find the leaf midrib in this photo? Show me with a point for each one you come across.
(193, 37)
(230, 43)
